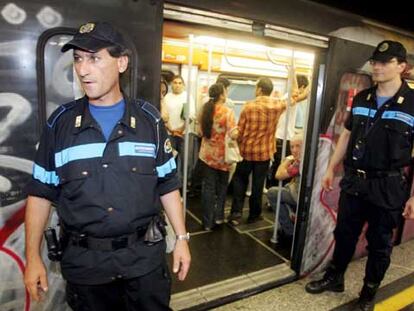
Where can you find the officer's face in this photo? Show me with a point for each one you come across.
(177, 86)
(386, 71)
(99, 75)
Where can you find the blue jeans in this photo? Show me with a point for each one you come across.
(213, 195)
(287, 207)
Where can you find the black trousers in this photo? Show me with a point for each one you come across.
(148, 292)
(240, 183)
(353, 213)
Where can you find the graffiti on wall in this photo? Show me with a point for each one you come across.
(17, 107)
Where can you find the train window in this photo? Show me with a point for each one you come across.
(61, 85)
(350, 84)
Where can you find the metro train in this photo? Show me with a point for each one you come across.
(241, 40)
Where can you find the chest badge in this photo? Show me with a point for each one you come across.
(400, 100)
(167, 146)
(369, 96)
(133, 122)
(78, 121)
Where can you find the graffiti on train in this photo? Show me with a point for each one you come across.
(15, 111)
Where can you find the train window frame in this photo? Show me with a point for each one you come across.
(42, 42)
(348, 100)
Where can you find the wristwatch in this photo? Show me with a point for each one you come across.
(181, 237)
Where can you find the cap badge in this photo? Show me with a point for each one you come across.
(383, 47)
(87, 28)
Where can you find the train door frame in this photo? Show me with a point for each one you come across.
(317, 44)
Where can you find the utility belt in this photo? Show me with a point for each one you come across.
(363, 174)
(105, 244)
(151, 234)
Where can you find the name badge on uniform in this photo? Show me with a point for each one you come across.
(400, 100)
(369, 96)
(133, 122)
(78, 121)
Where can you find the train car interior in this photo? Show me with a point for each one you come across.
(229, 260)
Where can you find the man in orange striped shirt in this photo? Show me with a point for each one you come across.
(257, 126)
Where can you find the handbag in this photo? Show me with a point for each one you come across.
(231, 150)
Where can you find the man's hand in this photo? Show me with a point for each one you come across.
(327, 180)
(409, 209)
(182, 259)
(35, 279)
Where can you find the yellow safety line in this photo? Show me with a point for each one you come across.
(397, 302)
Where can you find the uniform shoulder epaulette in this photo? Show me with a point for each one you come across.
(149, 109)
(58, 112)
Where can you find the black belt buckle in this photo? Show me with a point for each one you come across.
(118, 243)
(361, 174)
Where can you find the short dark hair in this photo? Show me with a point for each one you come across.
(118, 51)
(222, 80)
(302, 80)
(178, 77)
(266, 85)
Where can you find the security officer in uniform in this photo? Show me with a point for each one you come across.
(106, 161)
(376, 145)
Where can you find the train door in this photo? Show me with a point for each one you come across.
(232, 261)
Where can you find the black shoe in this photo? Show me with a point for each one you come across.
(252, 220)
(333, 282)
(234, 219)
(364, 305)
(366, 301)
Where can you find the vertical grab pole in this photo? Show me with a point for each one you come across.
(291, 74)
(187, 121)
(210, 60)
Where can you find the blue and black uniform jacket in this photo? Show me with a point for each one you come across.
(385, 139)
(105, 188)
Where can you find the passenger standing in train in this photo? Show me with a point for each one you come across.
(107, 160)
(287, 170)
(299, 94)
(217, 121)
(257, 126)
(376, 145)
(197, 174)
(175, 105)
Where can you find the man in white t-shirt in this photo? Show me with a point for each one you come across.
(173, 111)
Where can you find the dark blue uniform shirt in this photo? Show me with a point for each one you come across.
(385, 140)
(105, 188)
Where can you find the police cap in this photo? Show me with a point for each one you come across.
(386, 50)
(95, 36)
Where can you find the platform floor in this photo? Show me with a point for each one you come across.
(396, 292)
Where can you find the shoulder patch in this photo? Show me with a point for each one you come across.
(149, 109)
(167, 146)
(58, 112)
